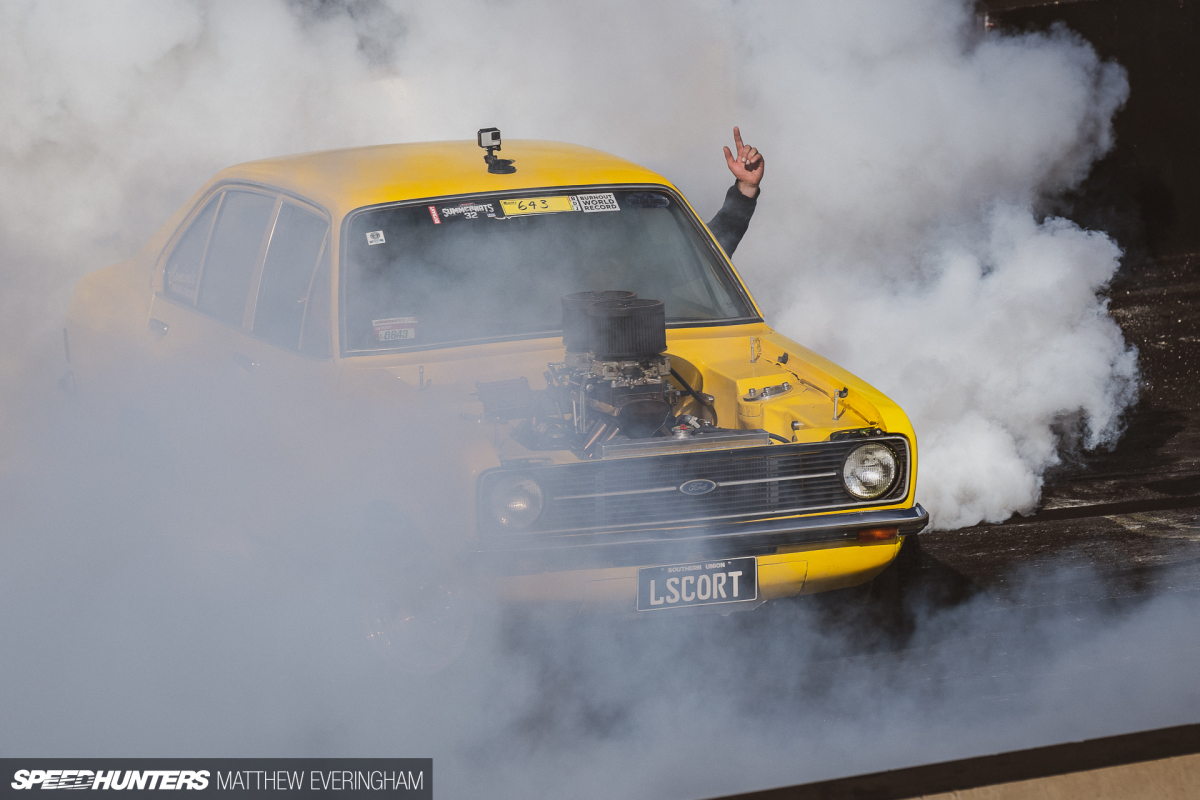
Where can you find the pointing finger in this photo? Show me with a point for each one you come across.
(737, 139)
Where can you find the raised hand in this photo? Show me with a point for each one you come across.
(747, 166)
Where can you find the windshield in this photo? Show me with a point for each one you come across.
(496, 266)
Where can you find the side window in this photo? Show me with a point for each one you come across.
(233, 253)
(287, 275)
(182, 277)
(316, 342)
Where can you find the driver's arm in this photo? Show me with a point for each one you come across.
(731, 222)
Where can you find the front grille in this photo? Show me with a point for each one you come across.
(752, 483)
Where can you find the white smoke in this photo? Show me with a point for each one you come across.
(112, 114)
(896, 233)
(904, 242)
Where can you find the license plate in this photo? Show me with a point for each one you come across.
(704, 583)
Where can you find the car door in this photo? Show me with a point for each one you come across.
(197, 317)
(288, 347)
(244, 298)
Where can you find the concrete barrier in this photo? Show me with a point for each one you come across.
(1163, 764)
(1165, 779)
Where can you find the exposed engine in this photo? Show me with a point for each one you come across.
(612, 391)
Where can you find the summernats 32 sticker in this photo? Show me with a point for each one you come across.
(468, 210)
(395, 329)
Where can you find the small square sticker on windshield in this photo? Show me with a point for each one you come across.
(598, 202)
(375, 237)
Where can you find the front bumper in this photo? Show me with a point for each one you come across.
(527, 556)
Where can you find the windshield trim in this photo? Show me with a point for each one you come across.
(689, 214)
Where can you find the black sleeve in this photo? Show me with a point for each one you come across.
(730, 223)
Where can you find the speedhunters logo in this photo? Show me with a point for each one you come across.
(408, 777)
(112, 779)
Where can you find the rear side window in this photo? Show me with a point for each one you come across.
(183, 268)
(233, 253)
(287, 277)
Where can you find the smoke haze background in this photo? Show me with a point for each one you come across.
(898, 234)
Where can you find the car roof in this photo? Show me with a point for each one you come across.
(342, 180)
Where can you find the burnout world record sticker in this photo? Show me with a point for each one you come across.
(395, 329)
(605, 201)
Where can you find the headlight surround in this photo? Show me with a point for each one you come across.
(869, 471)
(515, 502)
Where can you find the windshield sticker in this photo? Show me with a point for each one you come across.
(375, 237)
(647, 200)
(468, 210)
(538, 205)
(598, 202)
(395, 329)
(433, 213)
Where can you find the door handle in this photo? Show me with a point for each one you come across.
(245, 362)
(159, 327)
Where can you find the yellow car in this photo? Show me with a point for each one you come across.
(619, 429)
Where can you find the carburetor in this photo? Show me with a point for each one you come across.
(615, 372)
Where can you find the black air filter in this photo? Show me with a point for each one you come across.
(576, 328)
(627, 329)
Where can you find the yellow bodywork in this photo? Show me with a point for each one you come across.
(111, 308)
(804, 569)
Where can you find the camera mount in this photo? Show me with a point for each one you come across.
(489, 139)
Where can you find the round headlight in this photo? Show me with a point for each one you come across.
(869, 471)
(516, 501)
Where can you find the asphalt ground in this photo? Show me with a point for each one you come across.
(1126, 520)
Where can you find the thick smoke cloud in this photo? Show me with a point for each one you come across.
(898, 232)
(112, 115)
(907, 244)
(156, 605)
